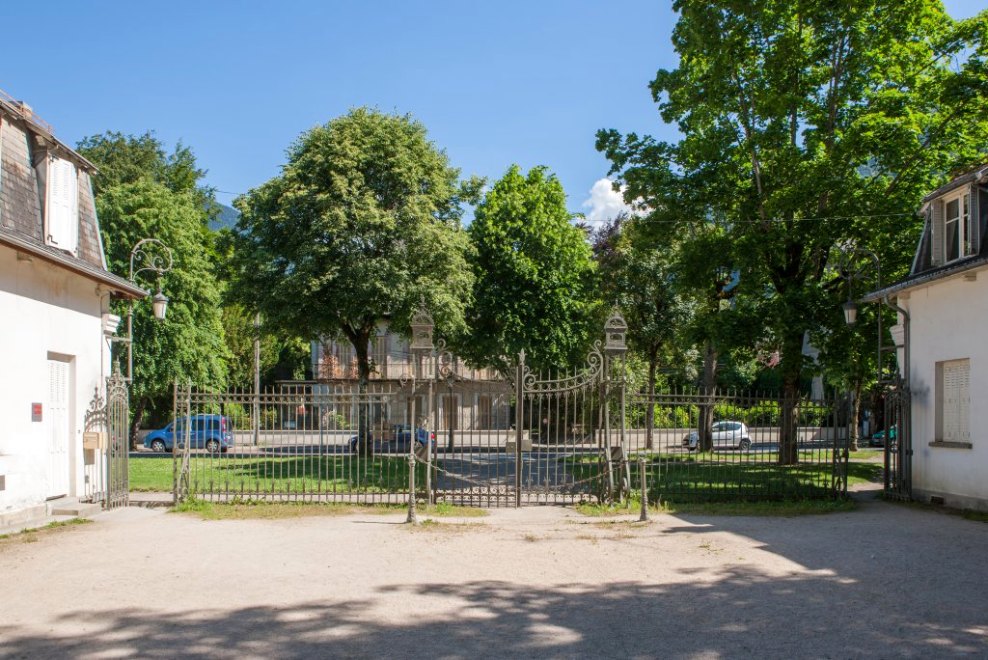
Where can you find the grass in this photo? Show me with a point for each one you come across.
(281, 510)
(782, 508)
(265, 474)
(680, 477)
(749, 476)
(32, 535)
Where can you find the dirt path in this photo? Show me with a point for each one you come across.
(883, 581)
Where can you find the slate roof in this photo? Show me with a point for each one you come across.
(24, 140)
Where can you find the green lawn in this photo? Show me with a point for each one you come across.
(680, 477)
(755, 476)
(266, 474)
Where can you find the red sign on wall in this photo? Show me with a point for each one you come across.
(35, 412)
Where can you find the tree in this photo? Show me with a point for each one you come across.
(534, 276)
(143, 192)
(188, 345)
(362, 224)
(638, 277)
(805, 125)
(129, 158)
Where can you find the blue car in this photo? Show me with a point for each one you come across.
(214, 433)
(401, 435)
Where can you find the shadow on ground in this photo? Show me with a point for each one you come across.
(740, 612)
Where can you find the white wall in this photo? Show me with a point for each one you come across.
(44, 310)
(949, 320)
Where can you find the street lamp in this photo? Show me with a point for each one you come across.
(852, 268)
(159, 304)
(850, 312)
(148, 254)
(421, 345)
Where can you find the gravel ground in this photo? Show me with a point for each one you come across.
(883, 581)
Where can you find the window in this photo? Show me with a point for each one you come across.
(951, 228)
(62, 205)
(484, 409)
(953, 402)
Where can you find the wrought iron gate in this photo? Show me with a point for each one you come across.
(106, 444)
(561, 439)
(484, 438)
(898, 441)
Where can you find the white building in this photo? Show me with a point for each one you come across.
(54, 291)
(945, 357)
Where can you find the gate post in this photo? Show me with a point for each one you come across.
(519, 421)
(644, 486)
(412, 518)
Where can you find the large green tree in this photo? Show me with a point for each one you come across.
(534, 276)
(188, 345)
(362, 224)
(804, 125)
(638, 276)
(144, 192)
(125, 158)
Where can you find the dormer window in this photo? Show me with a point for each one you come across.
(952, 227)
(62, 205)
(957, 212)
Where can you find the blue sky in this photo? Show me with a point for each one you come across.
(495, 83)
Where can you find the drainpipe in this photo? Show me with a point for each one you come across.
(905, 338)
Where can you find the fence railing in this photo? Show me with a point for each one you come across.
(338, 443)
(725, 445)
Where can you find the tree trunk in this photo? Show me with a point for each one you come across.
(706, 441)
(137, 416)
(365, 440)
(792, 363)
(650, 408)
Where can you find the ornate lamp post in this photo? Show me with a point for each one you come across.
(854, 267)
(149, 254)
(420, 347)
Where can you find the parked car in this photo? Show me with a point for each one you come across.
(214, 433)
(878, 440)
(724, 434)
(397, 439)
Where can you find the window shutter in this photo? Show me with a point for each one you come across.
(62, 205)
(936, 233)
(956, 401)
(974, 221)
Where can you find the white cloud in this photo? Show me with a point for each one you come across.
(604, 203)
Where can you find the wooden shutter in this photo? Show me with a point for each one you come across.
(62, 203)
(974, 221)
(956, 401)
(936, 232)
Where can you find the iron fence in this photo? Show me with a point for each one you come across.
(728, 445)
(573, 439)
(303, 442)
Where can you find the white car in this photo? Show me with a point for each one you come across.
(729, 434)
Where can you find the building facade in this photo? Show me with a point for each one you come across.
(54, 295)
(943, 353)
(462, 398)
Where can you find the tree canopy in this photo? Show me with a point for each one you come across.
(143, 192)
(362, 224)
(805, 126)
(188, 345)
(534, 275)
